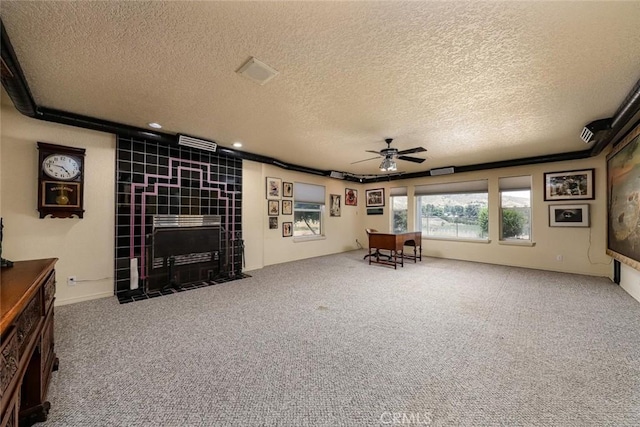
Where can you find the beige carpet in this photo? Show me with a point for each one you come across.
(332, 341)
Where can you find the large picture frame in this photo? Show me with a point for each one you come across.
(623, 200)
(569, 215)
(273, 186)
(569, 185)
(375, 197)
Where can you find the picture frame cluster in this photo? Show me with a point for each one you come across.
(279, 196)
(566, 186)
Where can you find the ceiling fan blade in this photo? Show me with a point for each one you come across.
(374, 152)
(412, 150)
(365, 160)
(411, 159)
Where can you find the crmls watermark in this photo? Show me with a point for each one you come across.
(406, 418)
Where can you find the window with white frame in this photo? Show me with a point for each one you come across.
(308, 209)
(398, 204)
(453, 210)
(515, 208)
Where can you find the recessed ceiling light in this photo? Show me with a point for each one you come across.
(155, 125)
(237, 144)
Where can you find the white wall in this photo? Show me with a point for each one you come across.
(84, 247)
(266, 247)
(582, 249)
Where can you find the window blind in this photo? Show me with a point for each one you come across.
(308, 193)
(480, 186)
(398, 191)
(515, 183)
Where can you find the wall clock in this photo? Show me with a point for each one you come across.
(60, 181)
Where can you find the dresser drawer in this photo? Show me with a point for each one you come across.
(49, 290)
(9, 366)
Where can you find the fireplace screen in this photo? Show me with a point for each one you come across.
(185, 249)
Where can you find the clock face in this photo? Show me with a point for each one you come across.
(61, 166)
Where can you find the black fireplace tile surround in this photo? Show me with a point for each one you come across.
(155, 179)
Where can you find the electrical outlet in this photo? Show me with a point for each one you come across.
(559, 258)
(71, 280)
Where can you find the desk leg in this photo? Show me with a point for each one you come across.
(421, 252)
(370, 255)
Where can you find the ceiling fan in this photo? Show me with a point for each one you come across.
(390, 154)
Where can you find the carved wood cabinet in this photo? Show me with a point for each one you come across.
(27, 355)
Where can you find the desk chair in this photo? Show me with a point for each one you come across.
(377, 253)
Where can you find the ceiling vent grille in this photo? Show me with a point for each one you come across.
(257, 71)
(595, 130)
(442, 171)
(201, 144)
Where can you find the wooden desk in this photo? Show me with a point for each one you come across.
(26, 341)
(395, 242)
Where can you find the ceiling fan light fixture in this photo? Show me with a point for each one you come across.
(388, 165)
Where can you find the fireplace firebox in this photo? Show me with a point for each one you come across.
(185, 249)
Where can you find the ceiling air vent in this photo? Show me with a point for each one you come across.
(257, 71)
(201, 144)
(595, 130)
(442, 171)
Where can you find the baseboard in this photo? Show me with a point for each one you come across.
(59, 302)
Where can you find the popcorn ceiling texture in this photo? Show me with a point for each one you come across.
(333, 341)
(470, 81)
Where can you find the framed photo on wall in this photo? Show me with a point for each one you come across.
(273, 207)
(287, 229)
(375, 197)
(350, 197)
(569, 215)
(273, 188)
(273, 223)
(334, 204)
(287, 207)
(287, 189)
(570, 185)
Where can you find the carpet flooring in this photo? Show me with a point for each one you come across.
(332, 341)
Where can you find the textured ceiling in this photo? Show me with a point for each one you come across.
(472, 82)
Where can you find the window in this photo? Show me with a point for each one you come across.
(453, 210)
(308, 210)
(399, 209)
(515, 208)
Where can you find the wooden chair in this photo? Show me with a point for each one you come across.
(377, 253)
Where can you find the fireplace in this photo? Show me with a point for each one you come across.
(185, 249)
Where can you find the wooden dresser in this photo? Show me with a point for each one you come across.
(27, 356)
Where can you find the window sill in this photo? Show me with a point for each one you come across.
(456, 239)
(528, 243)
(301, 239)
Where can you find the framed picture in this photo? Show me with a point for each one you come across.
(350, 197)
(570, 185)
(287, 207)
(375, 197)
(569, 215)
(273, 223)
(287, 229)
(334, 204)
(273, 188)
(623, 200)
(287, 189)
(273, 207)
